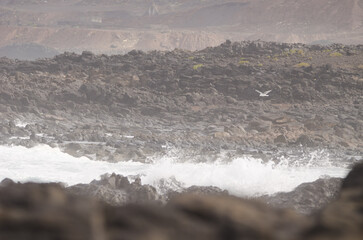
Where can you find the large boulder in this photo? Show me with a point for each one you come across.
(354, 180)
(307, 198)
(117, 190)
(342, 219)
(45, 211)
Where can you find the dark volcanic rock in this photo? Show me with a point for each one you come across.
(197, 190)
(196, 217)
(354, 180)
(307, 197)
(117, 190)
(342, 219)
(132, 106)
(165, 97)
(6, 182)
(46, 211)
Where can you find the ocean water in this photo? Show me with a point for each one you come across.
(241, 176)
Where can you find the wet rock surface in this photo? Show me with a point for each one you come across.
(117, 190)
(46, 211)
(307, 198)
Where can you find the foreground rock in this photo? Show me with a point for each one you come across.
(117, 190)
(46, 211)
(342, 219)
(307, 197)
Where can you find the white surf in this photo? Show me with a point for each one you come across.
(242, 176)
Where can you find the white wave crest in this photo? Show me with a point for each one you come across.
(242, 176)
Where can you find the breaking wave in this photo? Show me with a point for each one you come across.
(242, 176)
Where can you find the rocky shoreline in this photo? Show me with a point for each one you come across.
(138, 104)
(202, 105)
(117, 190)
(48, 211)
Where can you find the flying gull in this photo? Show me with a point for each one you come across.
(264, 94)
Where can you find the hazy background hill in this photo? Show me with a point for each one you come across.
(117, 26)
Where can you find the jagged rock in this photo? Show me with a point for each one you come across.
(354, 180)
(204, 191)
(47, 211)
(6, 182)
(307, 197)
(117, 190)
(342, 219)
(93, 93)
(280, 139)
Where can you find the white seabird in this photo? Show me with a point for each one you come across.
(264, 94)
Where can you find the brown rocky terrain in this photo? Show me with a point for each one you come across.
(203, 102)
(47, 211)
(202, 105)
(113, 27)
(117, 190)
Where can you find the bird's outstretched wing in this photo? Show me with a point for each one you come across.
(258, 91)
(267, 92)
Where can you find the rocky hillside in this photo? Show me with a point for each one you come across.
(322, 15)
(113, 27)
(204, 102)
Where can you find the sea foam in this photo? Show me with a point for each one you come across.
(242, 176)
